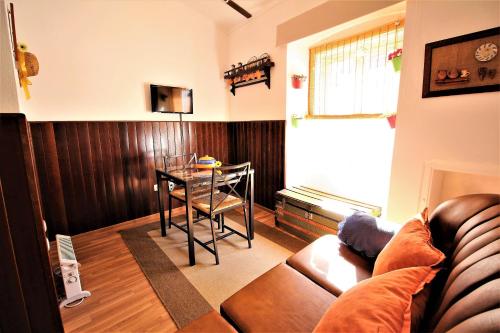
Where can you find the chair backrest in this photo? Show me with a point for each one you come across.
(465, 295)
(179, 160)
(234, 179)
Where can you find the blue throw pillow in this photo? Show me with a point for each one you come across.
(366, 234)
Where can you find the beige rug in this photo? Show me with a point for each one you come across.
(188, 292)
(238, 265)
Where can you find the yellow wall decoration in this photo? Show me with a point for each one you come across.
(26, 62)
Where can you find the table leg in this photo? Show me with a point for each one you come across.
(160, 205)
(250, 208)
(189, 221)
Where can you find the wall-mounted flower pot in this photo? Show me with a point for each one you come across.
(297, 81)
(396, 63)
(392, 121)
(296, 120)
(395, 58)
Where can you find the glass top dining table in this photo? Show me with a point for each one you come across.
(187, 176)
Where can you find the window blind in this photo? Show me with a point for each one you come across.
(353, 76)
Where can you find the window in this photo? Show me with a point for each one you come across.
(353, 77)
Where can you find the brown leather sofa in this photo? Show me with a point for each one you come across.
(465, 296)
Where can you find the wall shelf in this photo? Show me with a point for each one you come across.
(251, 73)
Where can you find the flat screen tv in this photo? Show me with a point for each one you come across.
(171, 99)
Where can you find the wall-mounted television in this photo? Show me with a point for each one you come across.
(171, 99)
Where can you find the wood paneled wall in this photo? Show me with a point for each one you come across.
(29, 301)
(96, 174)
(262, 143)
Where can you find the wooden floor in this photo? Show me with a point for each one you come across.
(122, 299)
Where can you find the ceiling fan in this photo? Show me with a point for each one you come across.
(237, 8)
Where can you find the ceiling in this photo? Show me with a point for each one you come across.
(226, 17)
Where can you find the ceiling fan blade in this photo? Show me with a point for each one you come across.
(239, 9)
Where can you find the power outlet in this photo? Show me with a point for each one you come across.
(155, 187)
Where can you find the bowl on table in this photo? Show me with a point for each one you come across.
(207, 162)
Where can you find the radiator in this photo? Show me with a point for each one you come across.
(69, 271)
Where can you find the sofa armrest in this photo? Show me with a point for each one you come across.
(210, 322)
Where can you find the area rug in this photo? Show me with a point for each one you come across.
(188, 292)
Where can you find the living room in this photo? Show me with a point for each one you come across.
(97, 147)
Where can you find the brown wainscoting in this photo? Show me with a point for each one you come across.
(96, 174)
(29, 301)
(262, 143)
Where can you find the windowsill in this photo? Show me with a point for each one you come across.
(350, 116)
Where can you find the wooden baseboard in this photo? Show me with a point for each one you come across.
(145, 219)
(128, 224)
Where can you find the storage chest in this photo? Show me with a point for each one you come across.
(309, 213)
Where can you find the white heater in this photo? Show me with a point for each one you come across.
(69, 271)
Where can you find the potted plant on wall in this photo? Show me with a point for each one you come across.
(395, 58)
(391, 119)
(297, 80)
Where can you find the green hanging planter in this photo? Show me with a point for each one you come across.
(295, 121)
(396, 63)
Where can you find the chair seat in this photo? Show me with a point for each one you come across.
(220, 200)
(180, 193)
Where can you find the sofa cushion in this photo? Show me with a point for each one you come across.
(410, 247)
(331, 264)
(210, 322)
(379, 304)
(366, 234)
(280, 300)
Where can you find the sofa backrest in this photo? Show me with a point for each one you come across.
(465, 296)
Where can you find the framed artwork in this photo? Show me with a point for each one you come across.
(465, 64)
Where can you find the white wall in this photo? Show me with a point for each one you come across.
(347, 157)
(455, 129)
(252, 39)
(98, 57)
(8, 77)
(268, 33)
(329, 14)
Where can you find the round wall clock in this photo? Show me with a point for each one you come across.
(486, 52)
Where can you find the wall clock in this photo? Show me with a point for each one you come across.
(486, 52)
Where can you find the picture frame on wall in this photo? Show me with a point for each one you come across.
(466, 64)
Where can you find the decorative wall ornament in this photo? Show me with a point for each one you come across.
(486, 52)
(464, 64)
(256, 70)
(26, 63)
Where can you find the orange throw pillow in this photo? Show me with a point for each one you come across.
(410, 247)
(379, 304)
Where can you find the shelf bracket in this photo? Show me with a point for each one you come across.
(267, 71)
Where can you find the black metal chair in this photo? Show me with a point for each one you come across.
(173, 193)
(182, 162)
(179, 160)
(226, 185)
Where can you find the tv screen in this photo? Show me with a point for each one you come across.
(171, 99)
